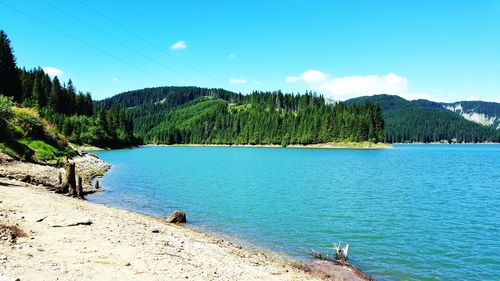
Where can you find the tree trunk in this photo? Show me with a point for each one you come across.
(70, 183)
(79, 191)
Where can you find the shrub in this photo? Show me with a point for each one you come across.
(6, 113)
(30, 122)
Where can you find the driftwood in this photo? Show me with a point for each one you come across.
(341, 259)
(344, 263)
(85, 222)
(341, 253)
(41, 219)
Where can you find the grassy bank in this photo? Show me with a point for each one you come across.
(27, 136)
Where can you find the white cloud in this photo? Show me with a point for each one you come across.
(342, 88)
(52, 71)
(237, 81)
(115, 80)
(179, 45)
(311, 76)
(232, 56)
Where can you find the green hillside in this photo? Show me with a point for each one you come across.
(25, 135)
(39, 109)
(177, 115)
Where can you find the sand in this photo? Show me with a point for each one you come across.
(88, 166)
(333, 145)
(71, 239)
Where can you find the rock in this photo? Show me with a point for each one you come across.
(177, 217)
(26, 179)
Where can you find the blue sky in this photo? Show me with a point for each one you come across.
(442, 50)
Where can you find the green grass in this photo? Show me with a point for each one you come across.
(240, 107)
(5, 148)
(45, 152)
(29, 137)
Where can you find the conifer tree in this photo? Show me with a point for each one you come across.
(10, 83)
(55, 98)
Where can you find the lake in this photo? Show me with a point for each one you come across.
(414, 212)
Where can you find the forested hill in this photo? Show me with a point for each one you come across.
(37, 111)
(427, 121)
(176, 115)
(480, 112)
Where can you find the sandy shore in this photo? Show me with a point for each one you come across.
(87, 166)
(354, 145)
(49, 236)
(63, 238)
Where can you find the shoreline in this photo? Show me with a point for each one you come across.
(353, 145)
(88, 166)
(450, 143)
(68, 238)
(105, 240)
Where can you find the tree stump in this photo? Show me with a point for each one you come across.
(79, 190)
(69, 185)
(177, 217)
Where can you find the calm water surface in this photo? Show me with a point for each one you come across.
(415, 212)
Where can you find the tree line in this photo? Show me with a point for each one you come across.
(73, 112)
(426, 121)
(417, 124)
(215, 117)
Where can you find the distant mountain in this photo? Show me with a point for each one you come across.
(201, 115)
(484, 113)
(428, 121)
(480, 112)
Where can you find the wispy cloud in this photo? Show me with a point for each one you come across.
(342, 88)
(179, 45)
(237, 81)
(115, 80)
(52, 71)
(232, 56)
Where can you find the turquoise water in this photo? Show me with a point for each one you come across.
(415, 212)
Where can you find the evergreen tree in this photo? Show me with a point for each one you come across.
(10, 83)
(36, 92)
(55, 98)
